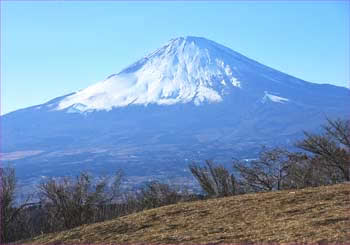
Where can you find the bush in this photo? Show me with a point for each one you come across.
(155, 194)
(306, 171)
(66, 203)
(267, 173)
(332, 147)
(279, 169)
(216, 181)
(13, 221)
(78, 201)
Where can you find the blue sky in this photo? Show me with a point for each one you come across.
(49, 49)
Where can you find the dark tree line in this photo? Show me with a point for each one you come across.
(68, 202)
(324, 159)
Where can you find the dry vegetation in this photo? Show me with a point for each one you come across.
(81, 210)
(311, 215)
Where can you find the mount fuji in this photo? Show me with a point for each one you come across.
(190, 100)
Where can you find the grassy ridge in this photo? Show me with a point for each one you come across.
(310, 215)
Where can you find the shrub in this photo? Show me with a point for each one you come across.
(13, 222)
(332, 147)
(216, 181)
(78, 201)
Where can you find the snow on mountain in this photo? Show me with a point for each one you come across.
(273, 98)
(185, 70)
(196, 100)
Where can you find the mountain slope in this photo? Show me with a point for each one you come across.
(310, 215)
(193, 70)
(190, 100)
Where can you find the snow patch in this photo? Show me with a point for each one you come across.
(273, 98)
(235, 82)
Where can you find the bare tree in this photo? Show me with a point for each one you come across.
(333, 146)
(155, 194)
(266, 173)
(80, 201)
(339, 130)
(10, 210)
(309, 171)
(69, 202)
(216, 181)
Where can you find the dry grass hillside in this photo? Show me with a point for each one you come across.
(312, 215)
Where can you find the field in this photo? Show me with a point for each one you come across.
(313, 215)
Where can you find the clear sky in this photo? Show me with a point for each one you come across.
(51, 48)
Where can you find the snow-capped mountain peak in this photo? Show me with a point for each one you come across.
(186, 69)
(241, 105)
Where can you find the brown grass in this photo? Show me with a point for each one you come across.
(313, 215)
